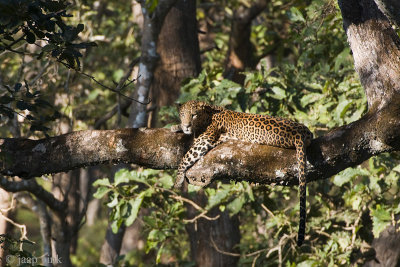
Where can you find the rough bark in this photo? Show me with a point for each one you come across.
(4, 205)
(178, 48)
(376, 50)
(391, 9)
(152, 22)
(241, 50)
(206, 236)
(343, 147)
(112, 245)
(78, 149)
(386, 248)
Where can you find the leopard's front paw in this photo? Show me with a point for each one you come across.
(202, 181)
(180, 178)
(176, 128)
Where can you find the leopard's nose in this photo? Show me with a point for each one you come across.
(186, 128)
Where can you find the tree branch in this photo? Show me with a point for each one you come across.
(343, 147)
(32, 187)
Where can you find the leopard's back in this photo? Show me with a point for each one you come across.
(261, 129)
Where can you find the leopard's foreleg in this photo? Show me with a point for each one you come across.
(204, 143)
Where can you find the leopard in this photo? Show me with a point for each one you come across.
(212, 125)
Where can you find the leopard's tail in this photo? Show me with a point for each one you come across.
(301, 159)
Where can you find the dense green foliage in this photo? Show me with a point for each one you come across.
(313, 81)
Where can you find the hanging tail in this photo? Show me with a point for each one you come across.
(301, 159)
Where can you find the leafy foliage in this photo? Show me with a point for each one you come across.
(15, 101)
(38, 20)
(149, 189)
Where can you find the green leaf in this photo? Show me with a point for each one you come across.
(115, 225)
(114, 202)
(343, 59)
(236, 205)
(122, 176)
(342, 108)
(380, 219)
(156, 235)
(279, 93)
(135, 205)
(49, 47)
(217, 197)
(310, 98)
(80, 27)
(22, 105)
(30, 37)
(348, 174)
(101, 192)
(159, 253)
(5, 99)
(167, 181)
(102, 182)
(17, 87)
(295, 15)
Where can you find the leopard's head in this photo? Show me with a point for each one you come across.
(195, 116)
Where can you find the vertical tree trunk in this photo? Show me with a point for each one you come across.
(241, 51)
(111, 246)
(152, 23)
(376, 52)
(179, 52)
(4, 205)
(206, 236)
(64, 227)
(178, 47)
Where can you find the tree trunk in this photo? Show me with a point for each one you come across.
(391, 9)
(112, 245)
(4, 205)
(241, 51)
(152, 23)
(210, 238)
(64, 228)
(376, 51)
(178, 48)
(387, 248)
(179, 52)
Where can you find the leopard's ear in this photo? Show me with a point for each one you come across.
(178, 105)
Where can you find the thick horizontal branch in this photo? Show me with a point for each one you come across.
(160, 149)
(154, 148)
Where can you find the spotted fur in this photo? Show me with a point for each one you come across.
(213, 125)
